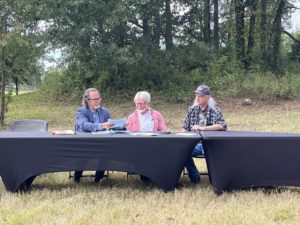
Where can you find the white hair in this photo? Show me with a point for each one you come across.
(142, 95)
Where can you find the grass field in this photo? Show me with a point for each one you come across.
(54, 199)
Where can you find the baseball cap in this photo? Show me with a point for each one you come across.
(202, 90)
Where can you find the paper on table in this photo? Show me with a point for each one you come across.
(187, 134)
(63, 132)
(144, 134)
(120, 123)
(112, 132)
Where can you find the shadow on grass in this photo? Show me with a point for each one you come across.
(108, 184)
(268, 190)
(87, 184)
(276, 189)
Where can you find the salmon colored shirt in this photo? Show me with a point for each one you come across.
(134, 122)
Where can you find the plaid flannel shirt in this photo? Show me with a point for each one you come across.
(210, 116)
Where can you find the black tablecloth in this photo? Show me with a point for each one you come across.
(240, 159)
(161, 158)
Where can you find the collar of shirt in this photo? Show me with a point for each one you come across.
(95, 111)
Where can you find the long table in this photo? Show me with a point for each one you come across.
(238, 159)
(161, 157)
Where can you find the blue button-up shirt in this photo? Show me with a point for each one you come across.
(88, 120)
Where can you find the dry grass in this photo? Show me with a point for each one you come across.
(55, 199)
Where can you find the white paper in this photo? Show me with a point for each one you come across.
(187, 134)
(120, 123)
(144, 134)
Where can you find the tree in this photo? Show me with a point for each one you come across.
(263, 33)
(116, 44)
(19, 47)
(227, 27)
(216, 24)
(240, 30)
(251, 33)
(276, 36)
(168, 32)
(2, 61)
(206, 22)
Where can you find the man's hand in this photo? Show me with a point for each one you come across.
(198, 127)
(107, 125)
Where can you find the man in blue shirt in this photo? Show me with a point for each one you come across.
(90, 118)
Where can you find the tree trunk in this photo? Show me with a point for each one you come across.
(230, 26)
(168, 32)
(216, 24)
(147, 39)
(17, 86)
(121, 34)
(276, 67)
(263, 33)
(146, 30)
(3, 102)
(157, 29)
(206, 22)
(2, 76)
(201, 22)
(240, 33)
(251, 34)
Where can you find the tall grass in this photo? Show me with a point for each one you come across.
(54, 199)
(267, 86)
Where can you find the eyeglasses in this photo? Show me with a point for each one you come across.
(141, 103)
(94, 99)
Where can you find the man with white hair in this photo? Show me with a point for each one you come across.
(203, 115)
(145, 118)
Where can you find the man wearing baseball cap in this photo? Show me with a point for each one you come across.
(203, 115)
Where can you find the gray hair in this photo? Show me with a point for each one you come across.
(143, 95)
(86, 96)
(211, 103)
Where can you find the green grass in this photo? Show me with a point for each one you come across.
(54, 199)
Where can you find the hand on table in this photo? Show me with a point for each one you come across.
(107, 125)
(198, 127)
